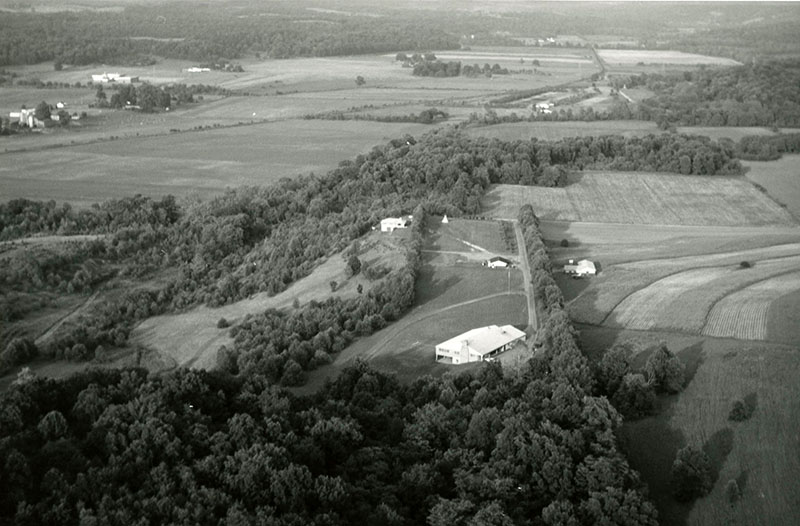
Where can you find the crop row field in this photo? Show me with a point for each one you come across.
(643, 198)
(743, 315)
(603, 300)
(683, 301)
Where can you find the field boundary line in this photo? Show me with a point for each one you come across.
(739, 289)
(611, 311)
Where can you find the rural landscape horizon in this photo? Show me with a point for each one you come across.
(435, 262)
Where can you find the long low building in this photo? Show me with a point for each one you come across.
(478, 344)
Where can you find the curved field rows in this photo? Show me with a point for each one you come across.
(645, 308)
(743, 314)
(682, 301)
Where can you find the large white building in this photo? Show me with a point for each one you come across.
(479, 344)
(391, 223)
(498, 262)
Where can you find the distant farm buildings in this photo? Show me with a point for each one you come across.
(543, 107)
(478, 345)
(25, 118)
(498, 262)
(116, 78)
(583, 267)
(195, 69)
(391, 223)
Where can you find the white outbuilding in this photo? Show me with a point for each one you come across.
(498, 262)
(583, 267)
(479, 344)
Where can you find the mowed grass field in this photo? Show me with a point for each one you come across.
(781, 178)
(200, 163)
(631, 57)
(559, 130)
(642, 198)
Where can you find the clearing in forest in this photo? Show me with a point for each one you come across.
(191, 339)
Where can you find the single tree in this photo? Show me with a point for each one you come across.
(665, 370)
(42, 111)
(360, 81)
(691, 474)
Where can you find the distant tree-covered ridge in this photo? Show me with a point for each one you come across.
(761, 94)
(190, 447)
(172, 31)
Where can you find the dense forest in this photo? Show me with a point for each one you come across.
(764, 94)
(489, 447)
(202, 35)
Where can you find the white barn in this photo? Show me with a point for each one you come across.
(583, 267)
(479, 344)
(498, 262)
(391, 223)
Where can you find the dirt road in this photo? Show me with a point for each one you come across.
(533, 322)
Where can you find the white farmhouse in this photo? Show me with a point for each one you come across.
(479, 344)
(391, 223)
(583, 267)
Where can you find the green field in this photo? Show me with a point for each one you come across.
(465, 235)
(635, 56)
(642, 198)
(558, 130)
(781, 179)
(197, 163)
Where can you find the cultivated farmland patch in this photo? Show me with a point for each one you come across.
(743, 314)
(643, 198)
(630, 57)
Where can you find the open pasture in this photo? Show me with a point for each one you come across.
(466, 235)
(642, 198)
(197, 163)
(635, 56)
(554, 131)
(761, 453)
(781, 178)
(743, 315)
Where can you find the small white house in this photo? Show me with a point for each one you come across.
(445, 220)
(583, 267)
(391, 223)
(60, 105)
(498, 262)
(477, 345)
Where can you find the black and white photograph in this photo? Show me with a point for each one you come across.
(399, 263)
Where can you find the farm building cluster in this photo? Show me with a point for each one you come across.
(27, 117)
(478, 345)
(113, 78)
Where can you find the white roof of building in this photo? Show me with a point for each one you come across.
(484, 340)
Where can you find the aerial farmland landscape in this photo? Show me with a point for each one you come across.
(441, 262)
